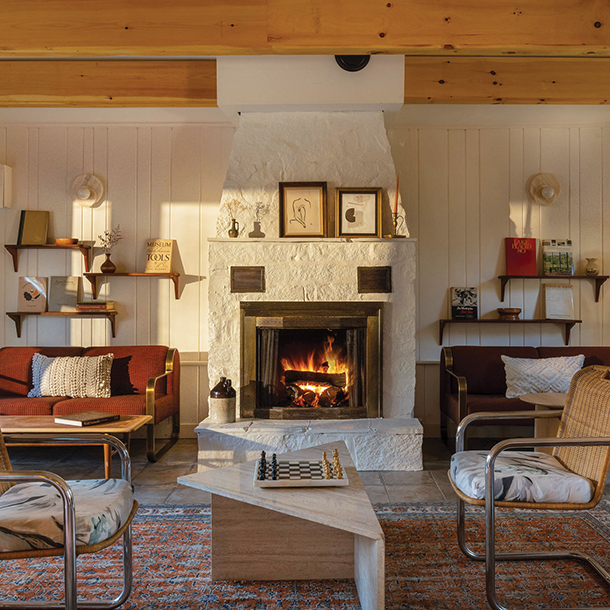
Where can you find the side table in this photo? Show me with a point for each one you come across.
(543, 401)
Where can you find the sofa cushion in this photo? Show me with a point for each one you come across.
(483, 367)
(32, 513)
(533, 375)
(520, 476)
(593, 355)
(16, 366)
(21, 405)
(146, 361)
(121, 405)
(77, 376)
(478, 403)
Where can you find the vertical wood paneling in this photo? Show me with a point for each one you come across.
(494, 163)
(433, 238)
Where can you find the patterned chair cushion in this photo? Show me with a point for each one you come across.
(31, 514)
(520, 476)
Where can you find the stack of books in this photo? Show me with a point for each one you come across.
(95, 306)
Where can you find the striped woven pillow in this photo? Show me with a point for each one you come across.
(75, 376)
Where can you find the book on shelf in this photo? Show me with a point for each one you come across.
(64, 292)
(557, 257)
(95, 306)
(521, 256)
(464, 303)
(159, 255)
(33, 228)
(87, 418)
(32, 296)
(558, 302)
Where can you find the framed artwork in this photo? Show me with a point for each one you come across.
(302, 209)
(358, 212)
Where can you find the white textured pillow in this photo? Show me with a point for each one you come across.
(75, 376)
(533, 375)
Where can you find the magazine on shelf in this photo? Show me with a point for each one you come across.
(557, 257)
(64, 292)
(87, 418)
(521, 256)
(558, 302)
(464, 303)
(159, 255)
(32, 294)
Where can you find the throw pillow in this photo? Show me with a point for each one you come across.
(533, 375)
(75, 376)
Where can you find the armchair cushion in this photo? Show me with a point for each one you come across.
(32, 514)
(520, 476)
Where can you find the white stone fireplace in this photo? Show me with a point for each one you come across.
(345, 150)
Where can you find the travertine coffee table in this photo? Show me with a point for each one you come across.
(295, 533)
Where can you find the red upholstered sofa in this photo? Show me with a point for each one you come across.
(145, 379)
(473, 379)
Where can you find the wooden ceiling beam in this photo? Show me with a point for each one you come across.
(506, 80)
(78, 28)
(107, 84)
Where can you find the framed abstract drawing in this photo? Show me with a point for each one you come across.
(358, 212)
(302, 209)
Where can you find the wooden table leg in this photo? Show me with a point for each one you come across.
(546, 428)
(107, 461)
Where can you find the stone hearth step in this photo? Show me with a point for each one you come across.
(375, 444)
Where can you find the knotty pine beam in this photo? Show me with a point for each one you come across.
(53, 84)
(54, 28)
(504, 80)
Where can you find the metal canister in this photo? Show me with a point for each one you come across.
(222, 402)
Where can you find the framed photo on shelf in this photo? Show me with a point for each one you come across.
(302, 209)
(358, 212)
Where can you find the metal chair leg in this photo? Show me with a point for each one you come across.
(152, 453)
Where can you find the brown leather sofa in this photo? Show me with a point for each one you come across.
(473, 379)
(145, 380)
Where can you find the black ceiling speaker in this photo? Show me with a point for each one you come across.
(353, 63)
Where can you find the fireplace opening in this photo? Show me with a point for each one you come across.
(311, 360)
(319, 368)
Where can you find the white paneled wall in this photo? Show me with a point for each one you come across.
(465, 193)
(162, 181)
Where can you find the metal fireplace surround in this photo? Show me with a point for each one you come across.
(366, 315)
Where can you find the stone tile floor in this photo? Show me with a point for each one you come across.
(156, 483)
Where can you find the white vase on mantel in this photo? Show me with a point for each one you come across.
(592, 268)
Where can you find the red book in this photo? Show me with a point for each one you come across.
(521, 256)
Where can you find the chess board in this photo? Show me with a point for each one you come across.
(298, 474)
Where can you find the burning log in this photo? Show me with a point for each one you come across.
(333, 379)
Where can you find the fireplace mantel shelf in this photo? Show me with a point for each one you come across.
(315, 240)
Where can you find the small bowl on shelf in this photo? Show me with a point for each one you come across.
(508, 313)
(66, 241)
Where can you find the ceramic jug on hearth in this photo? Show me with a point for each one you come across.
(222, 402)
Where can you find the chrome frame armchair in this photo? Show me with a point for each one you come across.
(70, 550)
(571, 449)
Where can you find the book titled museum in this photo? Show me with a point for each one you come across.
(159, 255)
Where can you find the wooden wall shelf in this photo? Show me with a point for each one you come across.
(18, 316)
(599, 280)
(85, 250)
(568, 324)
(93, 278)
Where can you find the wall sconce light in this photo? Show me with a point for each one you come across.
(544, 189)
(87, 190)
(6, 186)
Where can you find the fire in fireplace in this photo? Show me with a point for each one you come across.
(311, 360)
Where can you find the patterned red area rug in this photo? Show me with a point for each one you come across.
(424, 568)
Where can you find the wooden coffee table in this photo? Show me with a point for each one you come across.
(295, 533)
(15, 425)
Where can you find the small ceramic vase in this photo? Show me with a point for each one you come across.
(592, 268)
(108, 266)
(234, 230)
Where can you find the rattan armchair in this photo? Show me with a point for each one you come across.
(68, 517)
(581, 455)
